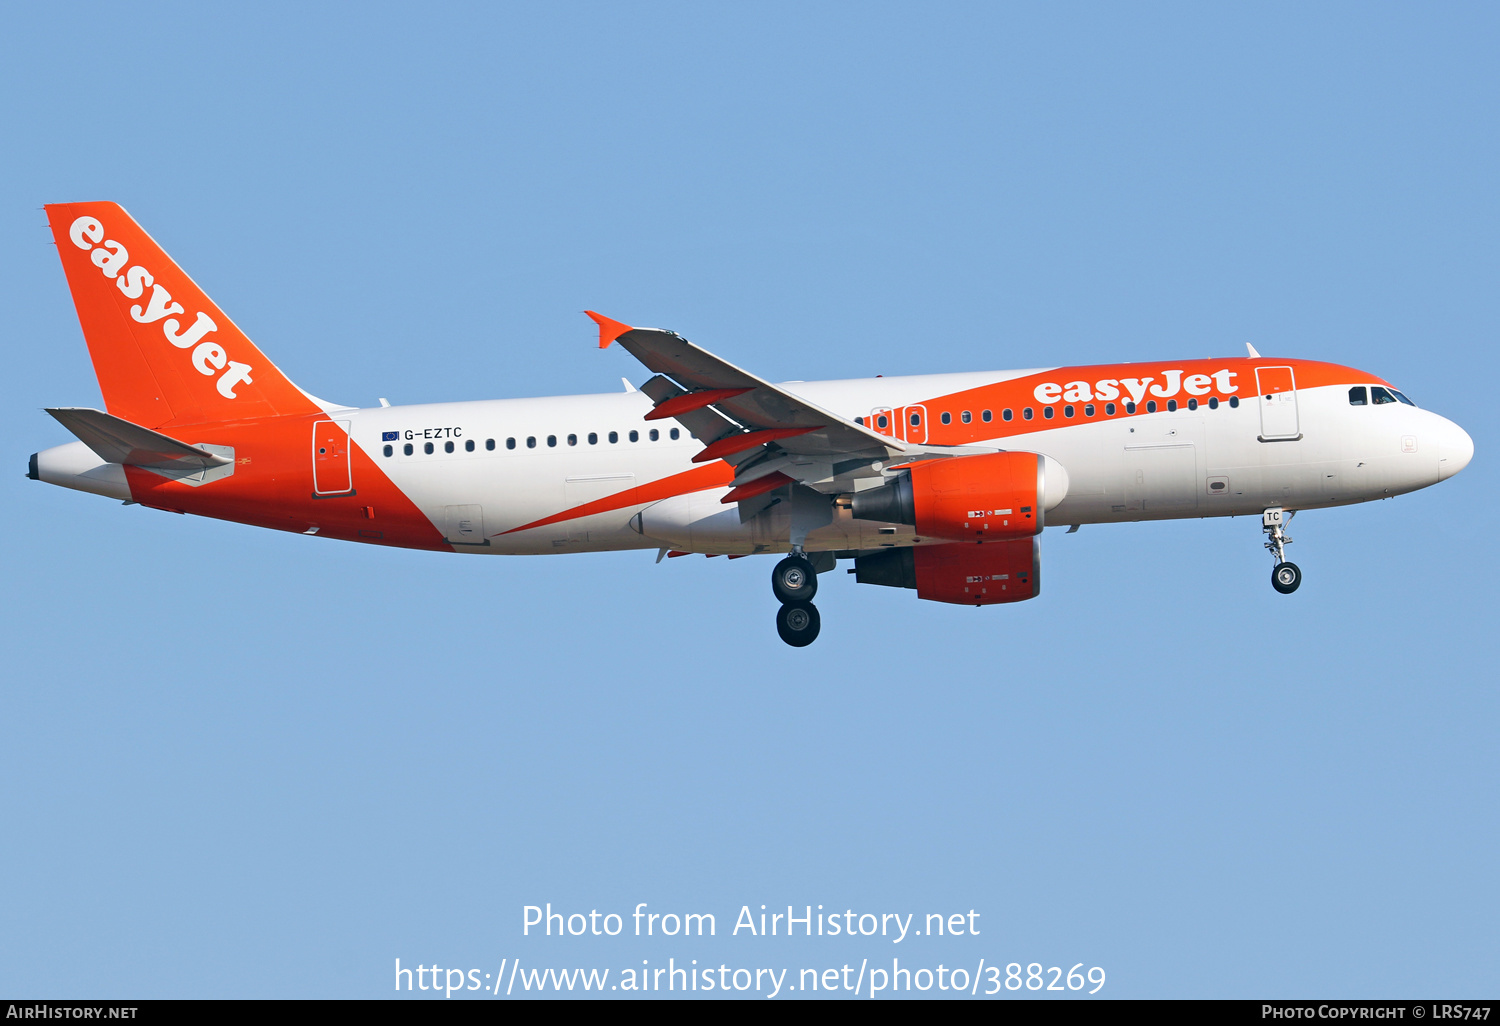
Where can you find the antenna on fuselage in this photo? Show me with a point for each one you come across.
(1251, 350)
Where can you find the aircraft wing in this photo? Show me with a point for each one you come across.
(741, 418)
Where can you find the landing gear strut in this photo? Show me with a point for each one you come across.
(1286, 577)
(795, 582)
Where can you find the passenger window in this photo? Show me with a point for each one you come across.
(1026, 414)
(389, 450)
(572, 439)
(1151, 406)
(531, 441)
(407, 448)
(1047, 412)
(966, 417)
(1067, 411)
(653, 435)
(916, 420)
(860, 421)
(1109, 409)
(1357, 396)
(675, 433)
(1088, 411)
(985, 416)
(510, 443)
(1005, 415)
(447, 446)
(635, 436)
(1192, 404)
(469, 445)
(593, 438)
(1130, 407)
(1380, 396)
(882, 422)
(1171, 405)
(551, 441)
(427, 448)
(947, 418)
(1213, 402)
(1234, 402)
(614, 436)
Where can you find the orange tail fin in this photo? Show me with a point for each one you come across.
(164, 353)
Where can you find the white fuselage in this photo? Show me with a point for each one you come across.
(1187, 463)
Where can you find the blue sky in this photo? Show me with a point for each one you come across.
(241, 763)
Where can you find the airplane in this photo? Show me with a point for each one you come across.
(938, 483)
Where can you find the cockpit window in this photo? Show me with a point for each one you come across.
(1358, 396)
(1402, 397)
(1381, 396)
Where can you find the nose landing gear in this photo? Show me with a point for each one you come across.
(1286, 577)
(795, 582)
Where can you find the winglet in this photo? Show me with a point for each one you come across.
(1253, 354)
(608, 330)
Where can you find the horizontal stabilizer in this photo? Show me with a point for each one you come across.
(120, 441)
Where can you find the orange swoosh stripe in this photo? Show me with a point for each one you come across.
(716, 475)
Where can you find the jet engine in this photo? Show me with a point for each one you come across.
(990, 497)
(964, 574)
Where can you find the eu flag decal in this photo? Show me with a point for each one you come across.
(389, 436)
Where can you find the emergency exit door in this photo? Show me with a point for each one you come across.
(330, 455)
(908, 423)
(1278, 404)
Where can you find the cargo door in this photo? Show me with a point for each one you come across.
(464, 525)
(1278, 404)
(330, 456)
(1161, 478)
(582, 492)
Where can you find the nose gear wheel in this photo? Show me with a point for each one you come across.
(1285, 577)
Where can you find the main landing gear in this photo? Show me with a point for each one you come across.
(1285, 577)
(795, 582)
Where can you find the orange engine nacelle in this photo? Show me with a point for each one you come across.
(989, 497)
(966, 574)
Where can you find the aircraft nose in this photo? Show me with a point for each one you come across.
(1455, 450)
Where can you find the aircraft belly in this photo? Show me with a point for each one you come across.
(699, 522)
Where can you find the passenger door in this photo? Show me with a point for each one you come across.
(330, 455)
(1278, 404)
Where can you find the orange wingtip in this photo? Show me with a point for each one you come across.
(609, 330)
